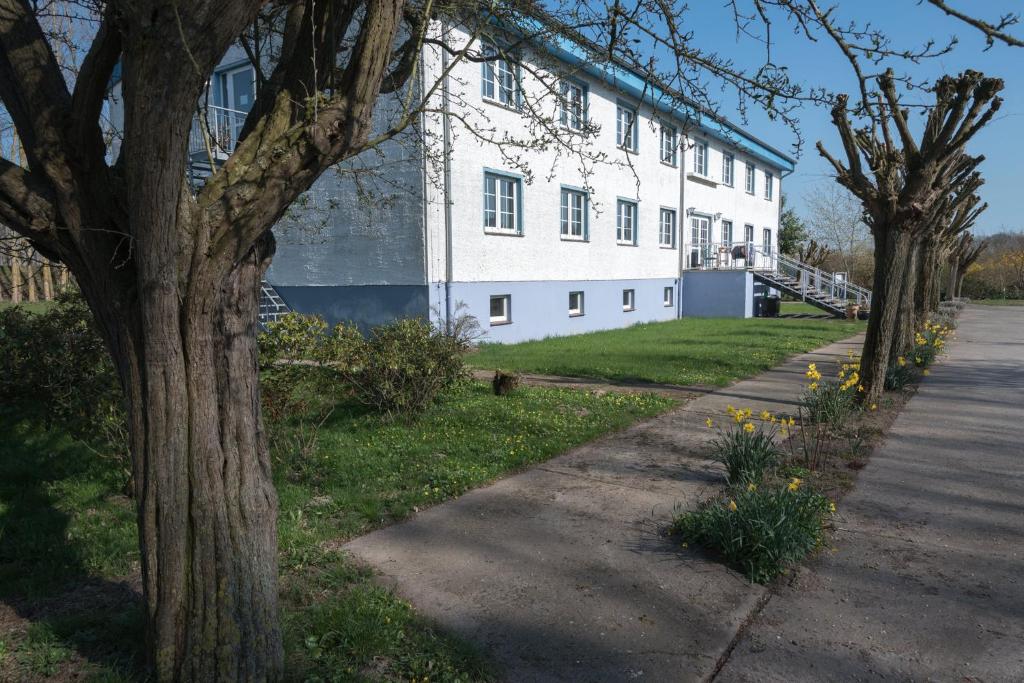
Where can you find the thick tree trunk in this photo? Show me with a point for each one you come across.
(924, 293)
(892, 248)
(906, 322)
(206, 502)
(15, 279)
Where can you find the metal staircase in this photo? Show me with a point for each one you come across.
(272, 306)
(831, 292)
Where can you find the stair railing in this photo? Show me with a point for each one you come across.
(812, 280)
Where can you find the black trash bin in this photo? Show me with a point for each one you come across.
(771, 307)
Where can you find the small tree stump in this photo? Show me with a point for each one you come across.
(504, 383)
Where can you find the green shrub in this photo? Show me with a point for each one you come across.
(746, 454)
(55, 369)
(400, 368)
(295, 337)
(759, 531)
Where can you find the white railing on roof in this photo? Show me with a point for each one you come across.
(215, 132)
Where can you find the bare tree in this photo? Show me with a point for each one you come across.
(171, 271)
(900, 182)
(836, 220)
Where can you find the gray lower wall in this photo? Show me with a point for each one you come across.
(718, 294)
(364, 305)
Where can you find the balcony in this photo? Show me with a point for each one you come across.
(214, 134)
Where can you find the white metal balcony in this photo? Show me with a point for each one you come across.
(214, 133)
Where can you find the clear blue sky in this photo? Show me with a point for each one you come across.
(908, 23)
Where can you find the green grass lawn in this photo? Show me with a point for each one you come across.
(715, 351)
(68, 538)
(800, 308)
(998, 302)
(34, 307)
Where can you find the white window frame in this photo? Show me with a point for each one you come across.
(506, 305)
(726, 233)
(500, 78)
(628, 300)
(626, 231)
(669, 145)
(769, 185)
(728, 169)
(572, 110)
(766, 240)
(668, 296)
(498, 203)
(748, 234)
(700, 158)
(622, 127)
(667, 228)
(750, 178)
(579, 309)
(568, 214)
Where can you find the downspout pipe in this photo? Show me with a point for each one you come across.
(680, 227)
(447, 141)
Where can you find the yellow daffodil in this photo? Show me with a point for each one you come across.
(792, 421)
(794, 484)
(748, 427)
(813, 386)
(901, 361)
(729, 409)
(732, 506)
(709, 423)
(765, 415)
(831, 506)
(927, 372)
(751, 487)
(874, 406)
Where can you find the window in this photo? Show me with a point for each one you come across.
(501, 309)
(575, 304)
(667, 228)
(766, 239)
(625, 222)
(667, 296)
(668, 145)
(626, 134)
(628, 300)
(769, 182)
(573, 105)
(728, 165)
(748, 233)
(750, 178)
(727, 233)
(502, 203)
(700, 158)
(500, 78)
(574, 214)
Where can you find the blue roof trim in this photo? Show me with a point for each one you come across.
(630, 83)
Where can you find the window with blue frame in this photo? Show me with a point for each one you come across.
(769, 185)
(750, 178)
(669, 145)
(573, 105)
(700, 158)
(728, 165)
(626, 134)
(574, 214)
(503, 203)
(667, 228)
(500, 77)
(625, 222)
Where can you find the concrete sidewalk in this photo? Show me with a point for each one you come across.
(560, 573)
(928, 580)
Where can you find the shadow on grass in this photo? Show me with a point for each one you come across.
(51, 561)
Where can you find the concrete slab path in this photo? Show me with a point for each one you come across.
(927, 583)
(560, 573)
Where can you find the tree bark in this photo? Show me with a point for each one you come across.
(206, 502)
(906, 322)
(15, 280)
(891, 251)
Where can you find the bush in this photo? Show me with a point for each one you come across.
(747, 452)
(760, 532)
(55, 369)
(295, 337)
(400, 368)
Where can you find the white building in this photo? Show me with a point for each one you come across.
(679, 218)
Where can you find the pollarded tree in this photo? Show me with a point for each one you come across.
(935, 252)
(963, 256)
(900, 180)
(172, 272)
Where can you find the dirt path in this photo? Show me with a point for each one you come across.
(560, 573)
(927, 583)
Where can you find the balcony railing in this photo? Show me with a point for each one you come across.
(729, 256)
(215, 133)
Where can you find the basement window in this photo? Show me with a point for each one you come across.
(501, 309)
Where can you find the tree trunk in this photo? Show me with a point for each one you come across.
(892, 249)
(206, 502)
(30, 280)
(927, 264)
(15, 279)
(906, 323)
(47, 277)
